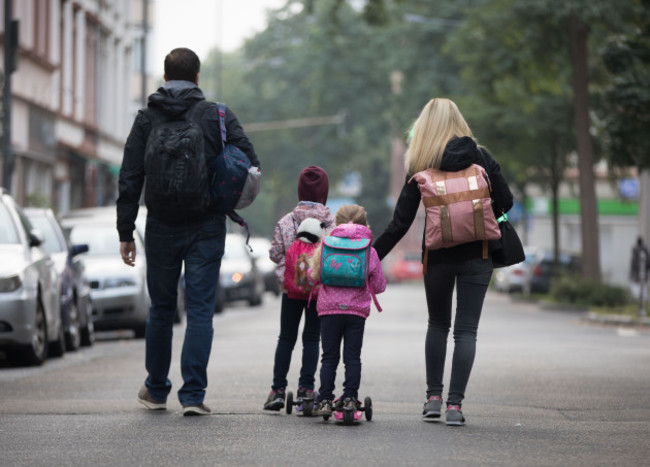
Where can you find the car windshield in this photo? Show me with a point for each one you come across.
(235, 248)
(260, 247)
(102, 240)
(52, 243)
(8, 232)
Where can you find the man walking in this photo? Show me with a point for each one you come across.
(178, 121)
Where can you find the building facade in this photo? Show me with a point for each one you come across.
(74, 95)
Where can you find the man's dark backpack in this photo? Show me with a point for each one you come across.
(234, 182)
(175, 164)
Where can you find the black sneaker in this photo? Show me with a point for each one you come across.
(275, 401)
(149, 402)
(454, 416)
(432, 408)
(305, 394)
(196, 409)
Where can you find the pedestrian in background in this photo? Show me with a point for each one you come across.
(441, 139)
(313, 189)
(191, 235)
(639, 268)
(343, 312)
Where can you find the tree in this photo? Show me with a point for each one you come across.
(578, 17)
(625, 100)
(518, 95)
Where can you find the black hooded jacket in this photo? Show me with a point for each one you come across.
(173, 99)
(459, 154)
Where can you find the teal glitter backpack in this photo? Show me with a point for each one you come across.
(344, 262)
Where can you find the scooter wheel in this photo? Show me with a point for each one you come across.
(367, 405)
(326, 417)
(307, 408)
(348, 417)
(289, 402)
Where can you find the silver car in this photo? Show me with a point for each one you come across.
(76, 308)
(261, 247)
(239, 278)
(118, 292)
(30, 303)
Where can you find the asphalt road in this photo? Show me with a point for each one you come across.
(547, 389)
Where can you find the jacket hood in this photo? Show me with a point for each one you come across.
(352, 231)
(308, 209)
(175, 97)
(459, 154)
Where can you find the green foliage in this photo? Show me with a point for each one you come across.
(505, 62)
(37, 200)
(576, 290)
(625, 100)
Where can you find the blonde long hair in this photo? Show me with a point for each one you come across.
(439, 121)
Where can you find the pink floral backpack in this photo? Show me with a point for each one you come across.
(298, 259)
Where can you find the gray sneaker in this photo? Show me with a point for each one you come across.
(454, 416)
(432, 408)
(149, 402)
(196, 409)
(324, 408)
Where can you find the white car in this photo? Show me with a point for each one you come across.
(513, 278)
(239, 278)
(118, 292)
(30, 290)
(261, 247)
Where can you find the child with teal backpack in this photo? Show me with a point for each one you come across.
(301, 226)
(343, 303)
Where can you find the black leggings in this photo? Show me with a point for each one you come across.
(471, 279)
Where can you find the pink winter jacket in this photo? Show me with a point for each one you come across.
(352, 300)
(286, 229)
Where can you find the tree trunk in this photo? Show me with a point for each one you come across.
(556, 179)
(588, 208)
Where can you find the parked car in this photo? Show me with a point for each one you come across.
(540, 273)
(76, 309)
(239, 278)
(405, 267)
(30, 302)
(118, 292)
(513, 278)
(261, 247)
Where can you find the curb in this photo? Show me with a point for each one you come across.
(618, 320)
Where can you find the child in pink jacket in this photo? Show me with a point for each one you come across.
(343, 312)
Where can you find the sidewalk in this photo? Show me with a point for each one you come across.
(589, 316)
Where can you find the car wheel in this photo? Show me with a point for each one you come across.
(73, 333)
(57, 348)
(88, 331)
(140, 331)
(256, 299)
(36, 352)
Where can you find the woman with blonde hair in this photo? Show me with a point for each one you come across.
(441, 139)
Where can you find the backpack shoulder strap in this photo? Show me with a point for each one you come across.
(222, 121)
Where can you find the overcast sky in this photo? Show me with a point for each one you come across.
(197, 24)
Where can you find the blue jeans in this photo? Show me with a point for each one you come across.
(200, 246)
(290, 315)
(334, 329)
(471, 279)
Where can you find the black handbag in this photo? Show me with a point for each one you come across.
(509, 250)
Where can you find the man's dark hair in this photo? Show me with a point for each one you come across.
(182, 64)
